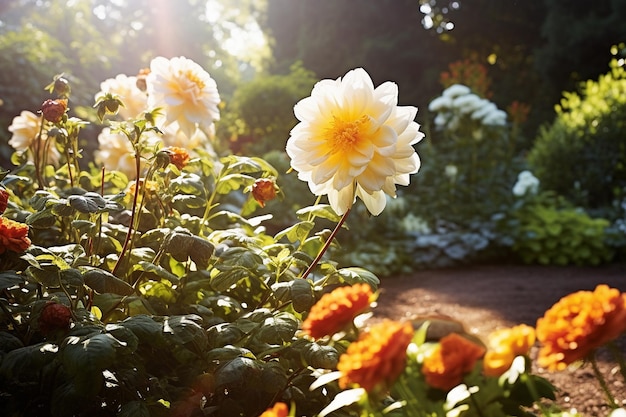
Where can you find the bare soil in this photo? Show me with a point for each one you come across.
(485, 298)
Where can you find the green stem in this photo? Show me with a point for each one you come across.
(326, 245)
(602, 381)
(530, 384)
(619, 358)
(36, 156)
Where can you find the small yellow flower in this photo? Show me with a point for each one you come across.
(450, 360)
(278, 410)
(353, 140)
(337, 309)
(185, 91)
(578, 324)
(505, 345)
(377, 358)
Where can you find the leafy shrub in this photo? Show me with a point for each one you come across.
(261, 111)
(587, 137)
(547, 230)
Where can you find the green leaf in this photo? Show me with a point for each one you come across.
(186, 329)
(355, 275)
(321, 356)
(26, 363)
(298, 291)
(157, 270)
(103, 281)
(235, 372)
(297, 232)
(324, 211)
(89, 202)
(278, 329)
(41, 219)
(145, 328)
(226, 279)
(89, 354)
(10, 279)
(8, 342)
(233, 182)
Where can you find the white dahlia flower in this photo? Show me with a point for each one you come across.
(353, 140)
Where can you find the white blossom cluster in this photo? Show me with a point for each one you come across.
(526, 183)
(457, 102)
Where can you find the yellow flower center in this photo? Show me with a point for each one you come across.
(194, 79)
(343, 135)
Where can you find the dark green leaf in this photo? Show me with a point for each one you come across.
(95, 353)
(87, 203)
(235, 372)
(134, 409)
(157, 270)
(41, 219)
(321, 356)
(103, 281)
(278, 329)
(10, 279)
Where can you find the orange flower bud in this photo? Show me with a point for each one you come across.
(53, 110)
(13, 236)
(178, 156)
(578, 324)
(336, 309)
(263, 190)
(377, 358)
(450, 360)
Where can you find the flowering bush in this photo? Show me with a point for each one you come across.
(144, 283)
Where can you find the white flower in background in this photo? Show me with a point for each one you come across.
(174, 136)
(353, 140)
(135, 101)
(116, 153)
(185, 91)
(618, 412)
(456, 90)
(526, 183)
(457, 103)
(468, 103)
(25, 129)
(451, 171)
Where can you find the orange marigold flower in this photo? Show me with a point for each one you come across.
(4, 200)
(505, 345)
(263, 190)
(450, 360)
(13, 236)
(53, 110)
(336, 309)
(278, 410)
(377, 358)
(579, 323)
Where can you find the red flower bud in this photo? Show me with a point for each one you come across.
(263, 190)
(53, 110)
(54, 316)
(4, 200)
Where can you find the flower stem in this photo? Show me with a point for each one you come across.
(619, 358)
(326, 245)
(133, 213)
(602, 381)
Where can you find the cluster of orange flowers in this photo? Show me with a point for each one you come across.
(578, 324)
(337, 309)
(377, 358)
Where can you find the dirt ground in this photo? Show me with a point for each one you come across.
(486, 298)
